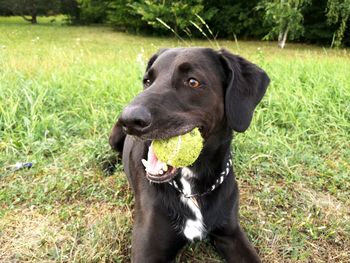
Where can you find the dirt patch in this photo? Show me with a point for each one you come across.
(24, 232)
(294, 223)
(97, 232)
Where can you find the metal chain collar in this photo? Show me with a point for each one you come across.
(217, 183)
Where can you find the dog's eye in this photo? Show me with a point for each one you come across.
(193, 83)
(147, 82)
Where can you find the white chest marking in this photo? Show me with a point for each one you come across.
(194, 228)
(187, 173)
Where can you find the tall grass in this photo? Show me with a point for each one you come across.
(62, 88)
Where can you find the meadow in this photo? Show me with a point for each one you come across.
(61, 90)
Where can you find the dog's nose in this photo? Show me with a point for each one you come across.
(135, 119)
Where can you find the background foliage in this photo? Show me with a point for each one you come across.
(324, 22)
(284, 18)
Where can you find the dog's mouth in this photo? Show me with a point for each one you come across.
(156, 170)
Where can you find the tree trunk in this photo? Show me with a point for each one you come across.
(34, 13)
(282, 38)
(33, 20)
(31, 10)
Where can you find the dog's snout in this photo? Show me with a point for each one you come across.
(135, 119)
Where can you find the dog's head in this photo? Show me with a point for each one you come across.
(194, 87)
(186, 88)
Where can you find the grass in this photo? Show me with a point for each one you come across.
(62, 88)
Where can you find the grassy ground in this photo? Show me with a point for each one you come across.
(61, 89)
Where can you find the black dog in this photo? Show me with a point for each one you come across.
(185, 88)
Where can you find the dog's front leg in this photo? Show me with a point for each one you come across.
(231, 243)
(154, 239)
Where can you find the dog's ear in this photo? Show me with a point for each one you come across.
(117, 138)
(245, 86)
(151, 61)
(154, 57)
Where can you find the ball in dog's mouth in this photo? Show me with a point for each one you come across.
(156, 170)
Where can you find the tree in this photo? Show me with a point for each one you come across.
(71, 9)
(237, 18)
(316, 28)
(338, 12)
(284, 18)
(31, 8)
(92, 11)
(123, 17)
(178, 16)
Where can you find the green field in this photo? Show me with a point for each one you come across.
(61, 90)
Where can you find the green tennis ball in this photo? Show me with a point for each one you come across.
(179, 151)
